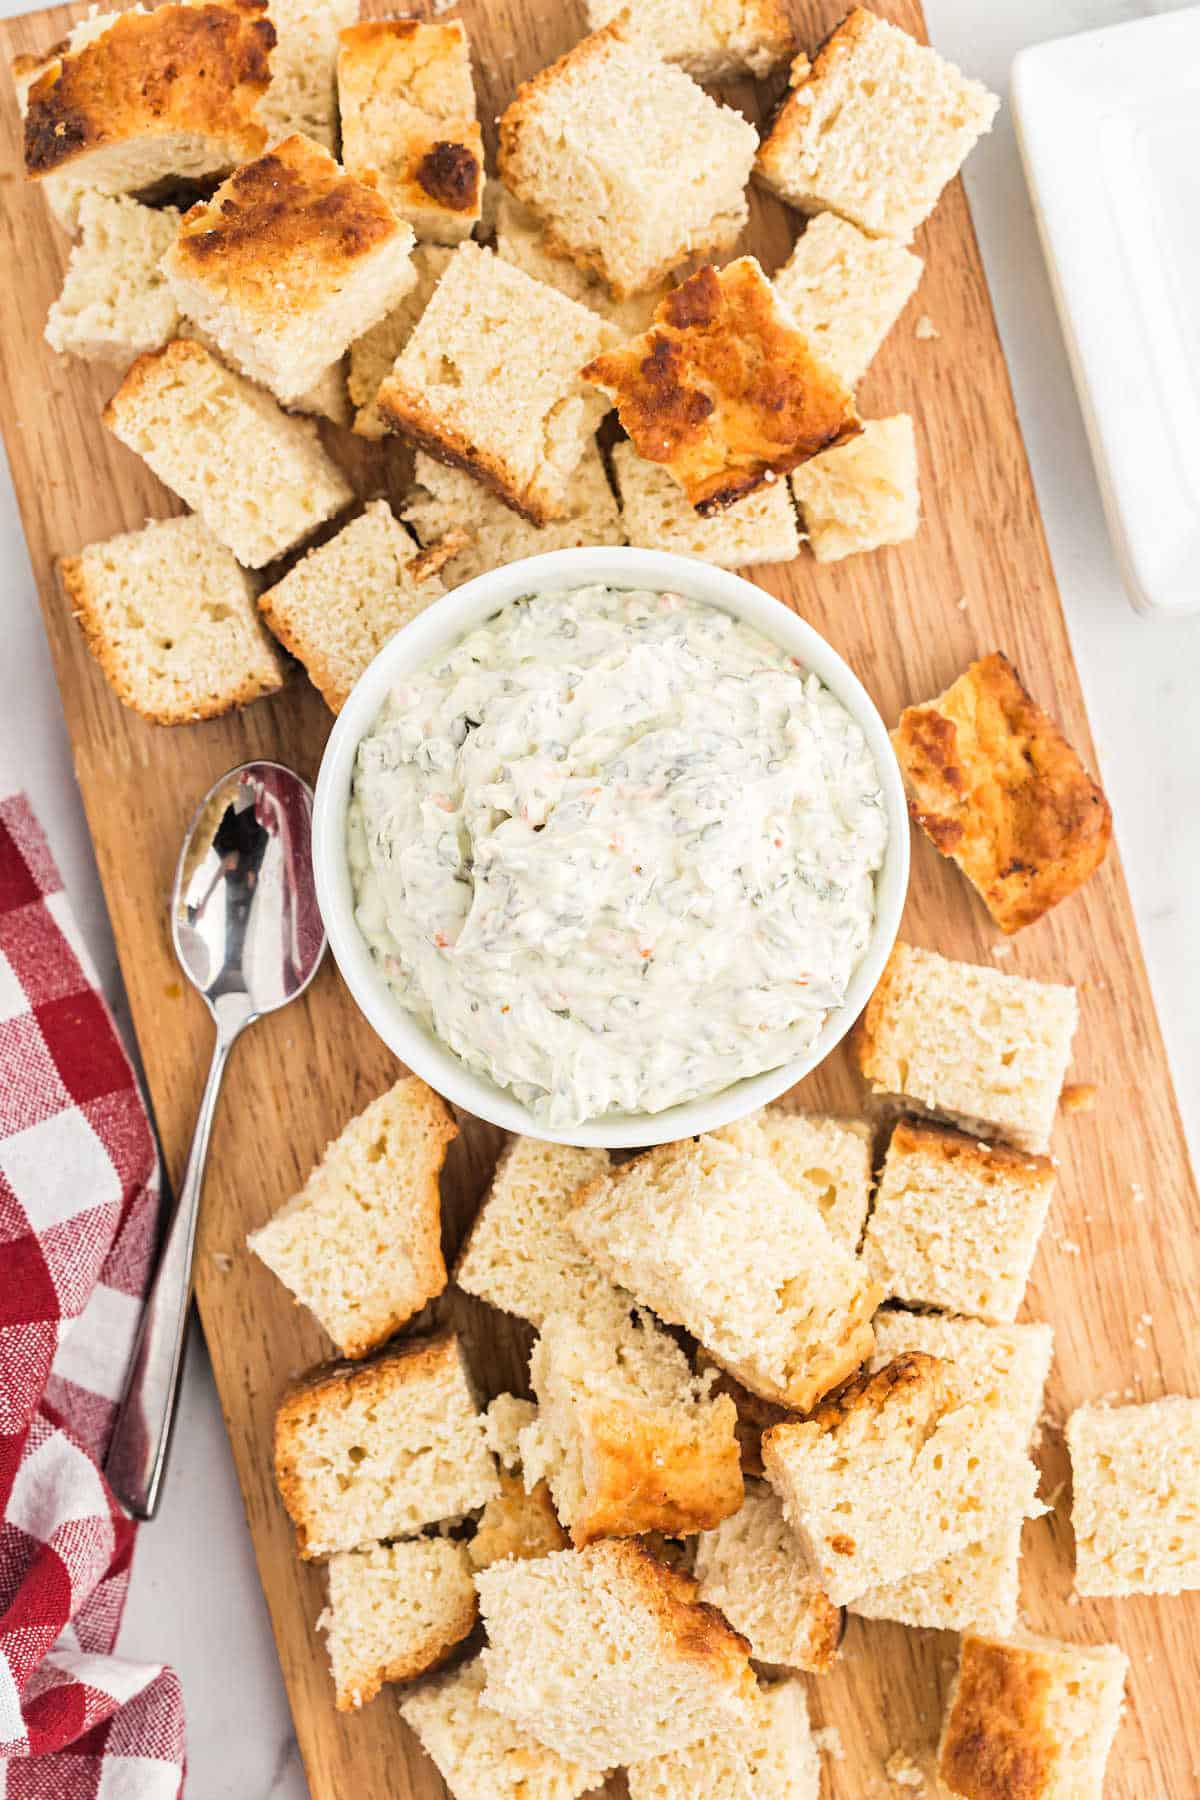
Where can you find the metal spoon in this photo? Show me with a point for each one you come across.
(248, 934)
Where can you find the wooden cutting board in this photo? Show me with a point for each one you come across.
(1119, 1265)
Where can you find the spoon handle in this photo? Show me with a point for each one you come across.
(137, 1455)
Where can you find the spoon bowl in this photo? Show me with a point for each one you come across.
(248, 934)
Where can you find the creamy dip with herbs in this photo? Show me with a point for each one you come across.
(617, 850)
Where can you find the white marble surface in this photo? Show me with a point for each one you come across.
(194, 1597)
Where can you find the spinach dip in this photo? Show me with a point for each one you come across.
(617, 850)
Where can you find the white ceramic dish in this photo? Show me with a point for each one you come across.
(442, 625)
(1109, 128)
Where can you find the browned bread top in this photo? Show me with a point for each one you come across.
(282, 229)
(987, 1162)
(199, 70)
(995, 785)
(723, 390)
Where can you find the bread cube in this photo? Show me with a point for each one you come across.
(862, 495)
(201, 429)
(1005, 1363)
(647, 1669)
(375, 1450)
(395, 1611)
(625, 1435)
(899, 1470)
(631, 167)
(372, 355)
(1136, 1510)
(361, 1244)
(773, 1757)
(303, 91)
(873, 128)
(448, 500)
(170, 618)
(490, 381)
(752, 1569)
(956, 1222)
(408, 121)
(338, 606)
(717, 40)
(845, 291)
(288, 262)
(986, 1050)
(136, 100)
(723, 391)
(978, 1587)
(520, 1253)
(829, 1160)
(326, 399)
(478, 1753)
(996, 787)
(714, 1239)
(1032, 1710)
(115, 303)
(521, 240)
(759, 528)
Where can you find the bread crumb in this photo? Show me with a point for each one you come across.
(1146, 1319)
(1137, 1194)
(925, 328)
(902, 1771)
(962, 604)
(1069, 1246)
(1078, 1097)
(221, 1260)
(829, 1742)
(1001, 950)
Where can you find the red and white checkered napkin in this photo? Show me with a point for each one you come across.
(78, 1202)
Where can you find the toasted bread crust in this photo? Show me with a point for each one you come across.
(198, 70)
(754, 1414)
(998, 1743)
(690, 1629)
(987, 1162)
(865, 1035)
(913, 1371)
(723, 390)
(418, 1360)
(281, 228)
(661, 1472)
(997, 788)
(406, 412)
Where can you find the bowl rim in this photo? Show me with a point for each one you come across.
(449, 618)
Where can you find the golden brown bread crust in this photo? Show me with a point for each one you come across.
(911, 1374)
(79, 598)
(723, 390)
(199, 70)
(997, 788)
(986, 1162)
(436, 153)
(281, 229)
(421, 1359)
(656, 1472)
(405, 411)
(690, 1627)
(997, 1742)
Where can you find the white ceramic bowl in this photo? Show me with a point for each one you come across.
(435, 631)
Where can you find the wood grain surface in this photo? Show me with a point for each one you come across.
(1119, 1266)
